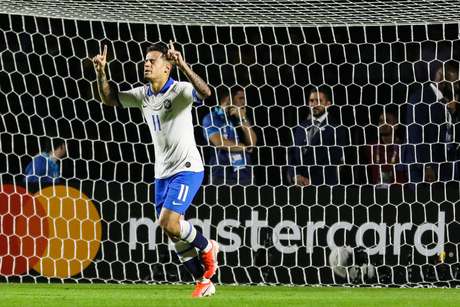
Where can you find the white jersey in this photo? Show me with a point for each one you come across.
(168, 115)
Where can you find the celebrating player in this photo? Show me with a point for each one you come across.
(166, 105)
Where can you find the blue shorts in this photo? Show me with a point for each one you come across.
(177, 192)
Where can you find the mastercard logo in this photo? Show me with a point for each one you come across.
(56, 232)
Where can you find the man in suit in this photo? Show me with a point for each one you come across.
(319, 141)
(431, 118)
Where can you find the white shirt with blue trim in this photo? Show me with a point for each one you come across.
(168, 115)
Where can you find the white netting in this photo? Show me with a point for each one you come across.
(245, 12)
(98, 223)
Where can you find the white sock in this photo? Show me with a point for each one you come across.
(185, 251)
(189, 234)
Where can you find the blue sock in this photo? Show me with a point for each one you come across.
(189, 257)
(194, 267)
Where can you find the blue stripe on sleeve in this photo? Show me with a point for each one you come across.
(196, 100)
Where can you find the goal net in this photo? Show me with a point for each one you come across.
(380, 206)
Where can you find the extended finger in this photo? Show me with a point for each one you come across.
(171, 45)
(104, 54)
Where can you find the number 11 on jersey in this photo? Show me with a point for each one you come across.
(156, 122)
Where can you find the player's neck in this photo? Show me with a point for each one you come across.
(157, 85)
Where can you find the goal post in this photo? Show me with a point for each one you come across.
(367, 220)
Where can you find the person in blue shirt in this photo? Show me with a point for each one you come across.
(44, 168)
(229, 130)
(319, 141)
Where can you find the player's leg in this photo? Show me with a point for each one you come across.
(181, 191)
(189, 257)
(187, 253)
(179, 229)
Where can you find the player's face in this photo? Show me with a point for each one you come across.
(60, 152)
(386, 126)
(318, 103)
(155, 66)
(239, 99)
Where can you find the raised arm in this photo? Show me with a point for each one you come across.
(175, 58)
(105, 92)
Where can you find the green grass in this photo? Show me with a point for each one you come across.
(179, 295)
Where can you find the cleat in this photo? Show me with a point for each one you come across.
(203, 289)
(209, 260)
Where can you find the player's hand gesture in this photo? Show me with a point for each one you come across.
(174, 56)
(302, 181)
(238, 112)
(100, 60)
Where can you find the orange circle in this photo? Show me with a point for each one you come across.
(23, 230)
(74, 232)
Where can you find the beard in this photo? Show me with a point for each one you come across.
(318, 111)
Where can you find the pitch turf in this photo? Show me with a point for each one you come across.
(179, 295)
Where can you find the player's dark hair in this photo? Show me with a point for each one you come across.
(161, 47)
(235, 89)
(48, 144)
(55, 143)
(322, 89)
(222, 93)
(451, 66)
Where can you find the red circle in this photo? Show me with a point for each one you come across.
(23, 230)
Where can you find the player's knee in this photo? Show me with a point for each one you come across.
(172, 228)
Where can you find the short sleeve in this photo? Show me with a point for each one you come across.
(35, 169)
(191, 94)
(132, 98)
(209, 128)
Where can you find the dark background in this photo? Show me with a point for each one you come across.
(48, 89)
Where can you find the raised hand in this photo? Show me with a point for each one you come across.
(174, 56)
(100, 60)
(238, 112)
(302, 181)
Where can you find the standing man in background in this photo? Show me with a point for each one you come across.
(318, 144)
(431, 153)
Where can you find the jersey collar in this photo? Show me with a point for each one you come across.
(163, 90)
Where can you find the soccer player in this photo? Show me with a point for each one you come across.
(166, 105)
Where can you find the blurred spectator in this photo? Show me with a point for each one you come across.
(384, 157)
(44, 168)
(319, 142)
(228, 128)
(432, 153)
